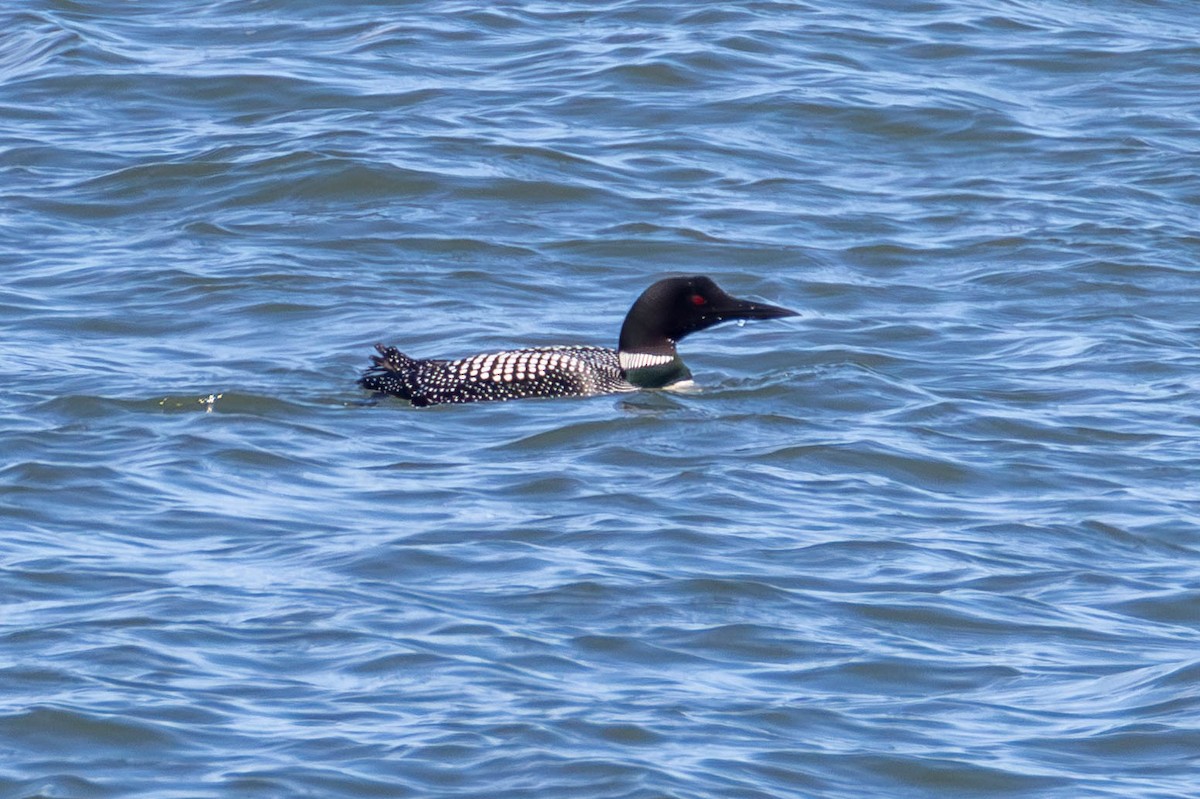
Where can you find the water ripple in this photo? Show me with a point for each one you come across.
(936, 536)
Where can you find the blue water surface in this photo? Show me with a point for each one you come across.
(937, 536)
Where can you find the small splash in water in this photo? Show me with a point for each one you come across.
(208, 402)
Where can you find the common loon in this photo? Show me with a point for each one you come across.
(645, 357)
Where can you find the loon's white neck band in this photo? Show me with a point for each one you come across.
(640, 360)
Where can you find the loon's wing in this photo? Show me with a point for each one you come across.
(580, 371)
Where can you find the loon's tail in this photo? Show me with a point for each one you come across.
(388, 372)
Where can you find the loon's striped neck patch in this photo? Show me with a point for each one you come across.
(640, 360)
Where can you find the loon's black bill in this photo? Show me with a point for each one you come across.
(744, 309)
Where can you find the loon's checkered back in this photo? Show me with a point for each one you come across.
(513, 374)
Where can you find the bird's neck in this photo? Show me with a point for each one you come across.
(647, 354)
(653, 367)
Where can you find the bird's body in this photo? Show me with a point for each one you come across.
(646, 357)
(579, 371)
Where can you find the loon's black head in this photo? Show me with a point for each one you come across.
(677, 306)
(671, 309)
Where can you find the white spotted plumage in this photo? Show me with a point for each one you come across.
(563, 371)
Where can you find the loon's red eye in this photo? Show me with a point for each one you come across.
(698, 300)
